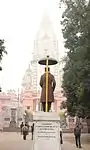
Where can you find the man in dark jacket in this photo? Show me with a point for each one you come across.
(51, 88)
(77, 133)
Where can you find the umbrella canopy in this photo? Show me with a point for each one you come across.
(51, 61)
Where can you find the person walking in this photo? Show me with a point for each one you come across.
(21, 126)
(77, 133)
(25, 131)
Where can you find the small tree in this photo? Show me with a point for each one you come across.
(2, 52)
(2, 49)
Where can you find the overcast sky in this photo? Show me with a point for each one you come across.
(19, 23)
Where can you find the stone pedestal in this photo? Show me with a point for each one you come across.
(46, 131)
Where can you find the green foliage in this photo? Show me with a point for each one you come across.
(63, 105)
(2, 52)
(76, 78)
(2, 49)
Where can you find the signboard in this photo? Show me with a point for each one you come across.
(46, 130)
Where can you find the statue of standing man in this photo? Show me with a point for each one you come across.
(51, 88)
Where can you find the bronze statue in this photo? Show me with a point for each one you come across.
(51, 88)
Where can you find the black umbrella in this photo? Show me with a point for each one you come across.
(51, 61)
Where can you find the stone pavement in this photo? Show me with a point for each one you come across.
(69, 141)
(70, 146)
(14, 141)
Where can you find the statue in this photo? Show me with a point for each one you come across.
(47, 83)
(51, 88)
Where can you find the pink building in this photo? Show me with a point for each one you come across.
(4, 100)
(58, 99)
(28, 99)
(31, 99)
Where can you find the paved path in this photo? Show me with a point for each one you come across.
(70, 146)
(14, 141)
(69, 141)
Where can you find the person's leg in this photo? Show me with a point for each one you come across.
(79, 140)
(49, 106)
(23, 136)
(32, 135)
(61, 138)
(21, 131)
(76, 139)
(43, 105)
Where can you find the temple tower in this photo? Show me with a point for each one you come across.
(27, 79)
(44, 44)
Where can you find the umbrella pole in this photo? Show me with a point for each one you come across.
(47, 85)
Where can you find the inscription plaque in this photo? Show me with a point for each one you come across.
(46, 130)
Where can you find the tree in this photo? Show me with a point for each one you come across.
(2, 49)
(2, 52)
(76, 78)
(63, 105)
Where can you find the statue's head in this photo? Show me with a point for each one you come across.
(48, 69)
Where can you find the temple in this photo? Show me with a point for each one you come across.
(45, 44)
(13, 104)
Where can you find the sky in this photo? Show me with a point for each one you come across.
(19, 23)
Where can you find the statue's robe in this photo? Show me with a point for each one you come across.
(51, 87)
